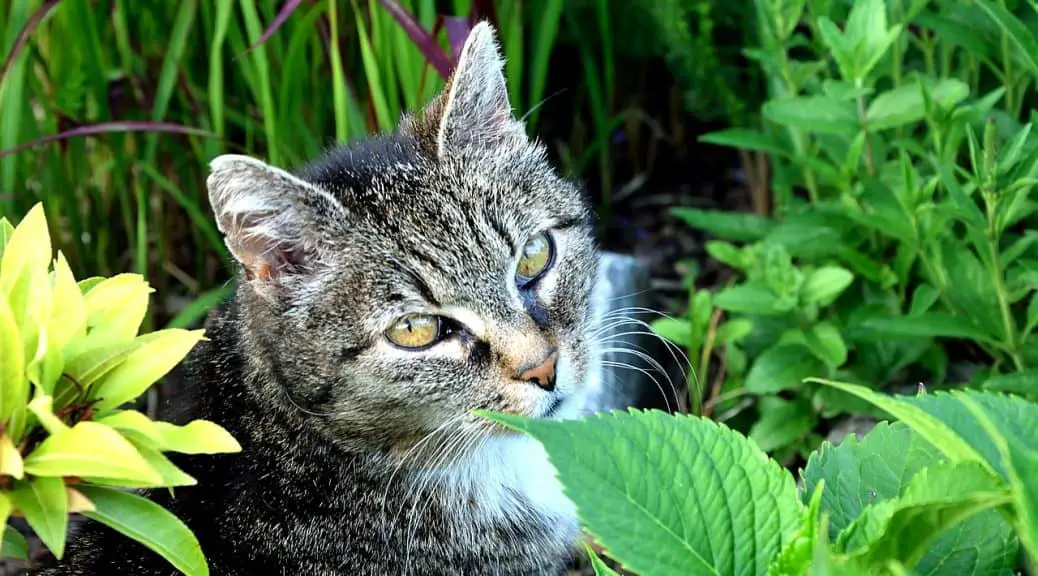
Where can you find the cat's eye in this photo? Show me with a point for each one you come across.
(537, 257)
(415, 331)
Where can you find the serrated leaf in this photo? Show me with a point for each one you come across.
(732, 226)
(1024, 383)
(933, 429)
(44, 504)
(936, 500)
(863, 474)
(144, 366)
(782, 367)
(87, 449)
(646, 486)
(150, 524)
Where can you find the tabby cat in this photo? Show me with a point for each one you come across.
(386, 291)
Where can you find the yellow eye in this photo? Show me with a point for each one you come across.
(536, 258)
(414, 331)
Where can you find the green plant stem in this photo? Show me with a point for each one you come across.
(796, 135)
(870, 161)
(1008, 324)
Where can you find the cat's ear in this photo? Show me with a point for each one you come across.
(476, 109)
(275, 224)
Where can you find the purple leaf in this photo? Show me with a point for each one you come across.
(425, 41)
(458, 28)
(107, 127)
(286, 10)
(23, 36)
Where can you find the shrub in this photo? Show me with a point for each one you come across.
(947, 489)
(902, 189)
(70, 358)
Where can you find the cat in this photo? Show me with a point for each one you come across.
(385, 291)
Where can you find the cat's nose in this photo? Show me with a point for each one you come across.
(542, 373)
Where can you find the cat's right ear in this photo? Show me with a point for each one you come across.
(274, 224)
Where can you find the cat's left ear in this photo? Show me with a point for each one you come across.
(476, 109)
(277, 226)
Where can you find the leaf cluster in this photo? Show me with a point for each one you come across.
(903, 202)
(71, 359)
(946, 489)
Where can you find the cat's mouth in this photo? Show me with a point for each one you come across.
(553, 408)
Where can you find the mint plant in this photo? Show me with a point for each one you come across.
(902, 200)
(71, 357)
(947, 488)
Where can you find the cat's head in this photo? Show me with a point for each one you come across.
(395, 285)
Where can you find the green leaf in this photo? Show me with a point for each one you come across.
(862, 475)
(824, 285)
(933, 429)
(598, 565)
(1015, 31)
(927, 325)
(677, 330)
(826, 343)
(144, 366)
(168, 473)
(725, 253)
(197, 437)
(1024, 383)
(68, 309)
(14, 392)
(746, 140)
(782, 423)
(15, 545)
(87, 449)
(27, 250)
(819, 114)
(752, 298)
(619, 469)
(936, 500)
(733, 226)
(782, 367)
(1023, 466)
(150, 524)
(44, 504)
(904, 104)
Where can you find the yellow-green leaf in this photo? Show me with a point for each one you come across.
(135, 426)
(10, 459)
(77, 503)
(197, 437)
(43, 408)
(45, 368)
(6, 231)
(44, 504)
(29, 247)
(90, 364)
(68, 315)
(116, 307)
(14, 386)
(150, 524)
(170, 475)
(89, 449)
(144, 366)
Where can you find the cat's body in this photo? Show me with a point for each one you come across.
(387, 291)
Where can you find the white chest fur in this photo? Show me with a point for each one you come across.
(509, 477)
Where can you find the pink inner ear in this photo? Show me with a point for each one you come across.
(265, 259)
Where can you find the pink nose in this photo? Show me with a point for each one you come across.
(542, 374)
